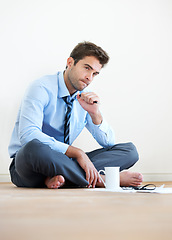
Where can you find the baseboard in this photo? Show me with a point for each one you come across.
(147, 177)
(5, 178)
(157, 177)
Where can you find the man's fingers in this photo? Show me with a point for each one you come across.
(95, 180)
(98, 177)
(91, 177)
(89, 97)
(94, 177)
(88, 177)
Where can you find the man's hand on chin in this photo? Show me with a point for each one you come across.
(89, 101)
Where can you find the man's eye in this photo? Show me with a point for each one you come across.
(87, 68)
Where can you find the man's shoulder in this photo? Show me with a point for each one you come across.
(46, 80)
(47, 84)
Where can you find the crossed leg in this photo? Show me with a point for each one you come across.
(127, 179)
(123, 155)
(37, 165)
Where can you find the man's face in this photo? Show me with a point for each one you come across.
(81, 75)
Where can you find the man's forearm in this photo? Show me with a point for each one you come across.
(73, 152)
(92, 175)
(96, 118)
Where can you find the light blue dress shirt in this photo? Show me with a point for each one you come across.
(42, 113)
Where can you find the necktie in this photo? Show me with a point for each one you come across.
(67, 118)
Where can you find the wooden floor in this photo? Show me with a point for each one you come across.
(33, 214)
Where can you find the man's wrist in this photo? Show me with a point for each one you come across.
(73, 152)
(96, 118)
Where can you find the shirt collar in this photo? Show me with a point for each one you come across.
(62, 89)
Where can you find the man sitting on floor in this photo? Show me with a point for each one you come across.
(53, 112)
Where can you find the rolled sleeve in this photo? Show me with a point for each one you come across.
(102, 133)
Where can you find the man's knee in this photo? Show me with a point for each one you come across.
(32, 149)
(32, 146)
(28, 152)
(133, 155)
(127, 152)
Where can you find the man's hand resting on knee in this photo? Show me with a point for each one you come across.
(92, 175)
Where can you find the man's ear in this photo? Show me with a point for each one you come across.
(70, 62)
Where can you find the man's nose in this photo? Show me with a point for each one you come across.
(89, 77)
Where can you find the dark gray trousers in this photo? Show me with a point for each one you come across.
(36, 161)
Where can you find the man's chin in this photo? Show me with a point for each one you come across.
(81, 88)
(83, 84)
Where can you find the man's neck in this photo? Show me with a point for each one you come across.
(69, 87)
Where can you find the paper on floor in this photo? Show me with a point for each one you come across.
(157, 190)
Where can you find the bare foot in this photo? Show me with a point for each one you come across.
(55, 182)
(130, 179)
(126, 179)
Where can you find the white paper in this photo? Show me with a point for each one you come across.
(156, 190)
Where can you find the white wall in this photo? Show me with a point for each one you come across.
(37, 36)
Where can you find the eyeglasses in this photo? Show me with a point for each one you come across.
(145, 187)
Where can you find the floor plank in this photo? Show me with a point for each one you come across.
(32, 214)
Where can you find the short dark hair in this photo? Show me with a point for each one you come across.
(85, 49)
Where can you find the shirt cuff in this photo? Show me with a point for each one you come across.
(103, 126)
(60, 147)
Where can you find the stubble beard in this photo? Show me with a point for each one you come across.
(75, 83)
